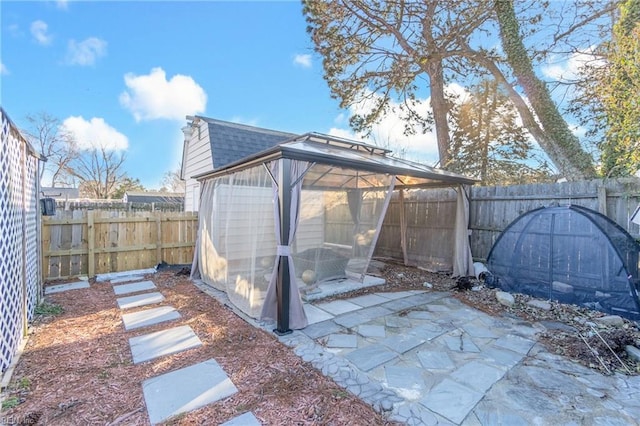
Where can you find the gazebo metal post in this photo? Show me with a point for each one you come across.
(283, 286)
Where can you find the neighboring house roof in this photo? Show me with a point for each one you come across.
(60, 193)
(153, 197)
(231, 142)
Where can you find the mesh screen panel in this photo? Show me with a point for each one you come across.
(570, 254)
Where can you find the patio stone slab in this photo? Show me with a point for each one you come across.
(149, 317)
(321, 329)
(369, 330)
(515, 343)
(65, 287)
(127, 279)
(338, 307)
(129, 302)
(398, 294)
(342, 341)
(451, 400)
(478, 375)
(368, 300)
(501, 357)
(436, 360)
(397, 322)
(407, 378)
(165, 342)
(246, 419)
(460, 343)
(402, 343)
(371, 356)
(134, 287)
(185, 390)
(315, 315)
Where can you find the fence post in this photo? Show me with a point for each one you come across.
(159, 239)
(91, 244)
(602, 199)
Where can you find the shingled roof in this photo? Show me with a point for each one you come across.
(231, 142)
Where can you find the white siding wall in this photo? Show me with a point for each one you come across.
(198, 160)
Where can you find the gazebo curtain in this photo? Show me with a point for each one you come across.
(297, 316)
(462, 257)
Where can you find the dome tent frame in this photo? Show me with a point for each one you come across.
(571, 254)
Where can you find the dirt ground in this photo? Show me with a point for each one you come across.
(77, 369)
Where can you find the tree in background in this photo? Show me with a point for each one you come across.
(619, 94)
(378, 52)
(98, 172)
(49, 137)
(488, 142)
(128, 184)
(172, 182)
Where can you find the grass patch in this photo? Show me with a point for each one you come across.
(24, 383)
(10, 402)
(48, 309)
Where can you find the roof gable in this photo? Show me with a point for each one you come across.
(231, 142)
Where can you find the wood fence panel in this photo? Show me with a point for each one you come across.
(97, 242)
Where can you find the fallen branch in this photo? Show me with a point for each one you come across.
(594, 352)
(124, 417)
(612, 351)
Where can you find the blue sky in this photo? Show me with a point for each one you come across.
(125, 74)
(128, 72)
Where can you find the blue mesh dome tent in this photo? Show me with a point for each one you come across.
(571, 254)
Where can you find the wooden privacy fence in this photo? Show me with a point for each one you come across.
(90, 242)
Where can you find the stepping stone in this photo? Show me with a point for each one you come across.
(436, 360)
(139, 300)
(134, 287)
(315, 315)
(149, 317)
(117, 275)
(64, 287)
(127, 279)
(165, 342)
(185, 390)
(246, 419)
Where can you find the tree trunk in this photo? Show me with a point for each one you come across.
(573, 162)
(440, 108)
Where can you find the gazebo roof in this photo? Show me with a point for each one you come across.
(332, 155)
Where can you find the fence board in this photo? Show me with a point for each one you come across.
(94, 242)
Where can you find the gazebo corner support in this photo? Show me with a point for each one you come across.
(283, 286)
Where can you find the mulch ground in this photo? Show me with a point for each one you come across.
(77, 367)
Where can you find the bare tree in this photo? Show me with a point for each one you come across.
(99, 172)
(49, 137)
(172, 182)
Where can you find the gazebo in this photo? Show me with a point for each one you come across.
(263, 235)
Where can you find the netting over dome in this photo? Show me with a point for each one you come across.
(571, 254)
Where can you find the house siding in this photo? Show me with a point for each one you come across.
(198, 161)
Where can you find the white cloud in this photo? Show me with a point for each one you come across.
(62, 4)
(569, 68)
(152, 96)
(95, 133)
(86, 52)
(302, 60)
(3, 69)
(39, 31)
